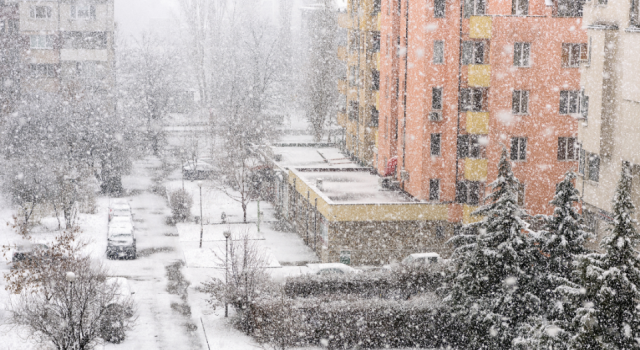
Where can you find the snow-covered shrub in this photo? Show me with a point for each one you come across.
(180, 202)
(352, 323)
(398, 283)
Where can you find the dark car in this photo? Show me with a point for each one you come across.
(27, 252)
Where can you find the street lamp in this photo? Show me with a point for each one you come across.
(71, 277)
(201, 228)
(227, 234)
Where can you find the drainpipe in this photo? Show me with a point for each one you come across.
(404, 98)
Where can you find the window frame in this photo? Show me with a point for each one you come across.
(521, 101)
(471, 54)
(519, 50)
(473, 8)
(33, 12)
(469, 192)
(475, 99)
(565, 147)
(78, 7)
(516, 7)
(566, 102)
(593, 167)
(634, 14)
(48, 41)
(569, 53)
(521, 149)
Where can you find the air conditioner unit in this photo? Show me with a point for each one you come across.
(435, 116)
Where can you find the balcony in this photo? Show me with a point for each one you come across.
(475, 169)
(479, 75)
(480, 27)
(477, 123)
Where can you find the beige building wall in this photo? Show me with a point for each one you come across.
(611, 82)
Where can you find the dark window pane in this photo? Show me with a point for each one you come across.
(434, 189)
(435, 144)
(474, 193)
(467, 52)
(582, 162)
(461, 192)
(526, 49)
(564, 101)
(477, 100)
(514, 148)
(439, 9)
(479, 53)
(524, 102)
(463, 146)
(573, 102)
(562, 148)
(517, 54)
(523, 149)
(515, 104)
(571, 148)
(474, 146)
(594, 167)
(465, 99)
(436, 98)
(480, 7)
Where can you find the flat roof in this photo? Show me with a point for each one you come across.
(310, 156)
(351, 187)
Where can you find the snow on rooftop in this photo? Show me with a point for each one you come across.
(312, 157)
(351, 187)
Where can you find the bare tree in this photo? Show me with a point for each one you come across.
(247, 279)
(66, 299)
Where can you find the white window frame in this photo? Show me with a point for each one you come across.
(33, 12)
(519, 50)
(41, 42)
(567, 145)
(583, 50)
(515, 8)
(77, 8)
(521, 107)
(470, 52)
(520, 142)
(571, 95)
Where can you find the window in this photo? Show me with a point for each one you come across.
(570, 102)
(353, 110)
(399, 7)
(375, 115)
(375, 80)
(439, 8)
(375, 38)
(573, 54)
(40, 12)
(567, 148)
(436, 98)
(473, 99)
(520, 102)
(43, 70)
(474, 7)
(435, 145)
(41, 42)
(83, 11)
(520, 193)
(581, 163)
(520, 7)
(593, 166)
(397, 88)
(472, 52)
(634, 14)
(438, 52)
(519, 148)
(602, 2)
(472, 146)
(377, 4)
(469, 192)
(521, 53)
(570, 8)
(434, 189)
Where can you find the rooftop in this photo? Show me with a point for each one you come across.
(309, 156)
(350, 186)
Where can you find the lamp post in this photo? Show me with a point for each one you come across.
(227, 234)
(71, 277)
(201, 228)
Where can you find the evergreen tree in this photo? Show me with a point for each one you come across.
(561, 242)
(609, 315)
(490, 295)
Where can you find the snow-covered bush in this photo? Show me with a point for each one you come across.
(351, 323)
(180, 202)
(399, 283)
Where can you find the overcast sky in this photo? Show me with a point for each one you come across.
(134, 16)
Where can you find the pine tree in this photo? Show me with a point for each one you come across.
(490, 295)
(609, 316)
(560, 243)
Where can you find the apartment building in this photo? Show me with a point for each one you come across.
(361, 88)
(58, 44)
(610, 129)
(460, 80)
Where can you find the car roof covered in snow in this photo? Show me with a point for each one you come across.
(425, 255)
(330, 266)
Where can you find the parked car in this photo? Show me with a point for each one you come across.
(25, 252)
(119, 209)
(121, 221)
(198, 171)
(422, 259)
(121, 242)
(331, 268)
(113, 328)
